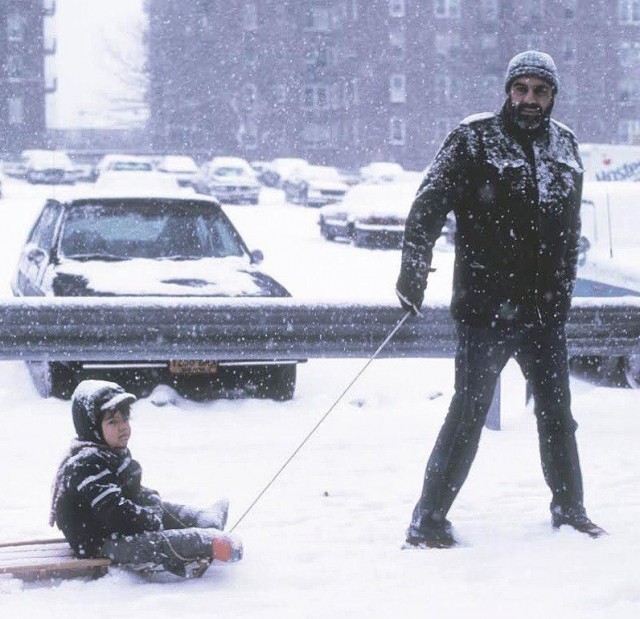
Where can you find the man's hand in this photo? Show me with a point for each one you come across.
(408, 305)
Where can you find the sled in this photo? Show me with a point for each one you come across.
(43, 559)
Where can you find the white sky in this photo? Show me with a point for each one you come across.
(83, 28)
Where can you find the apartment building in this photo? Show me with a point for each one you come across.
(23, 87)
(350, 81)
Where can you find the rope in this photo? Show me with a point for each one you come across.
(313, 430)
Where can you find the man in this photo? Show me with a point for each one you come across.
(514, 183)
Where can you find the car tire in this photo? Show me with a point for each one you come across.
(278, 383)
(326, 233)
(360, 239)
(631, 367)
(51, 379)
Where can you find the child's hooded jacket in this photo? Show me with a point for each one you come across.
(97, 490)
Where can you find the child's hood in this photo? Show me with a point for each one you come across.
(90, 401)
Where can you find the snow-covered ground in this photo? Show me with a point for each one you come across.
(326, 538)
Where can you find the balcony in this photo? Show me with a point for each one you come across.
(49, 8)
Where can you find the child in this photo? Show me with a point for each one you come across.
(102, 508)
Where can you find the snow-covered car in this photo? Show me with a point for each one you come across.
(315, 185)
(229, 179)
(381, 172)
(49, 166)
(371, 215)
(181, 167)
(120, 162)
(107, 244)
(280, 169)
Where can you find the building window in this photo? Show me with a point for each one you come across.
(15, 27)
(629, 131)
(396, 8)
(628, 90)
(249, 96)
(442, 88)
(397, 89)
(489, 10)
(354, 10)
(535, 9)
(350, 93)
(318, 56)
(569, 53)
(570, 7)
(16, 111)
(398, 43)
(447, 44)
(317, 135)
(397, 132)
(250, 16)
(315, 97)
(629, 11)
(447, 8)
(15, 67)
(250, 51)
(280, 93)
(318, 19)
(629, 53)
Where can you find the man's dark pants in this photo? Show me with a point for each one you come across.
(482, 353)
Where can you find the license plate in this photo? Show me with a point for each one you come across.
(177, 366)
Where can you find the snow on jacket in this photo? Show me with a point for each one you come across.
(97, 493)
(517, 209)
(97, 490)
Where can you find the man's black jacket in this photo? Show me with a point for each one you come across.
(518, 224)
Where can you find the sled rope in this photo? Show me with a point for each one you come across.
(322, 419)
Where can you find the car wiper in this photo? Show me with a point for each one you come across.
(182, 257)
(105, 257)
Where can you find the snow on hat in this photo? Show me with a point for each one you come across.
(90, 401)
(532, 63)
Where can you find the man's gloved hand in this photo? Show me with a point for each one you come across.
(410, 295)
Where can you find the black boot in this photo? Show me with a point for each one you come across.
(579, 522)
(431, 535)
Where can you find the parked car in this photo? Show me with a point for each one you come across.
(180, 167)
(120, 162)
(370, 215)
(168, 244)
(315, 185)
(48, 166)
(381, 172)
(280, 169)
(229, 179)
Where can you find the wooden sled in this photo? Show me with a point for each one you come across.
(44, 559)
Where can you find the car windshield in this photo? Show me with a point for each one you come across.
(156, 229)
(131, 166)
(230, 171)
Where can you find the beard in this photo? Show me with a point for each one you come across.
(528, 117)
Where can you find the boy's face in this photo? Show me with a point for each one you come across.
(115, 427)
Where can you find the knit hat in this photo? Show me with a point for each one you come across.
(90, 401)
(534, 63)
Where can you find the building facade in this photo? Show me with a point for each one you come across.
(23, 81)
(346, 82)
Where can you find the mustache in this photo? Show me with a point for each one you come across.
(533, 107)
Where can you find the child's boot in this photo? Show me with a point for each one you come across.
(226, 548)
(214, 516)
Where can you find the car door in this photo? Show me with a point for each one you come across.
(37, 252)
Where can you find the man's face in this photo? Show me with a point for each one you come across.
(115, 428)
(531, 97)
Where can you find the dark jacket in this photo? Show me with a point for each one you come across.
(99, 493)
(97, 490)
(517, 209)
